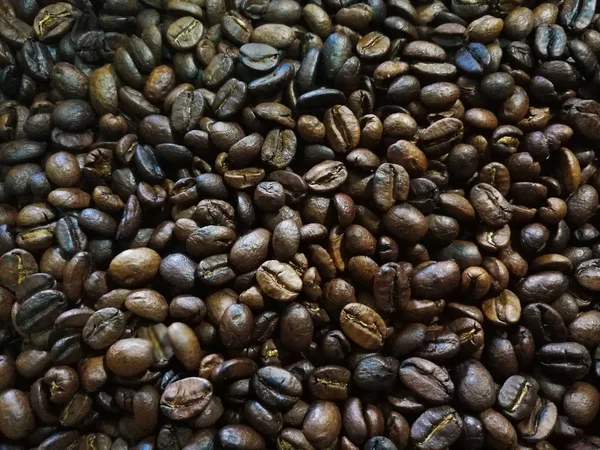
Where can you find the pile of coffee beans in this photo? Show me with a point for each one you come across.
(299, 224)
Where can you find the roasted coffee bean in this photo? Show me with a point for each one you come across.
(276, 387)
(499, 432)
(322, 423)
(184, 33)
(329, 383)
(326, 176)
(186, 398)
(491, 206)
(566, 359)
(581, 403)
(427, 380)
(434, 280)
(436, 428)
(104, 328)
(375, 373)
(474, 386)
(39, 311)
(439, 137)
(279, 281)
(363, 325)
(474, 59)
(540, 423)
(17, 418)
(517, 396)
(258, 56)
(129, 357)
(342, 128)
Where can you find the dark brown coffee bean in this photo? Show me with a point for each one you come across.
(17, 420)
(363, 325)
(276, 387)
(104, 328)
(279, 281)
(186, 398)
(517, 396)
(342, 128)
(540, 423)
(427, 380)
(329, 383)
(434, 280)
(436, 428)
(322, 423)
(491, 206)
(573, 363)
(499, 432)
(581, 403)
(129, 357)
(439, 137)
(134, 267)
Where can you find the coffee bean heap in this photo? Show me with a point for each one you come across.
(299, 225)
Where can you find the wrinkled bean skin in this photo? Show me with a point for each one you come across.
(299, 225)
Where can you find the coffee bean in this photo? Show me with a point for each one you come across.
(566, 359)
(134, 267)
(581, 403)
(184, 33)
(104, 328)
(436, 428)
(186, 398)
(39, 311)
(540, 423)
(434, 280)
(499, 432)
(504, 309)
(427, 380)
(322, 423)
(129, 357)
(474, 386)
(363, 325)
(440, 136)
(17, 420)
(517, 396)
(276, 387)
(279, 281)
